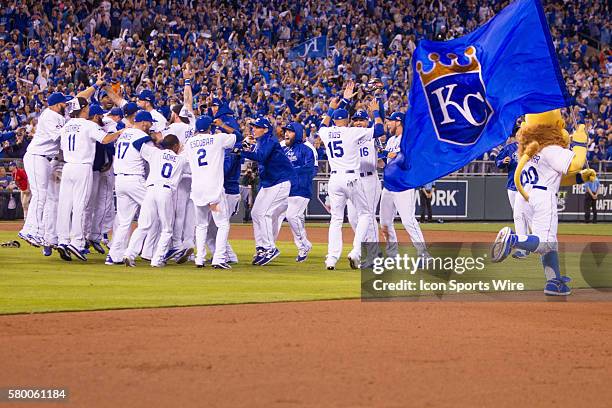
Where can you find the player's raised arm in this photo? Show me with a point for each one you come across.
(349, 92)
(112, 137)
(188, 92)
(87, 93)
(117, 100)
(379, 129)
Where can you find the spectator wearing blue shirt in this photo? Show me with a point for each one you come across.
(591, 189)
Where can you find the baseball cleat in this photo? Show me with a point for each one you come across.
(330, 263)
(558, 287)
(503, 245)
(171, 254)
(259, 255)
(354, 262)
(183, 255)
(200, 265)
(157, 265)
(221, 265)
(47, 250)
(270, 255)
(520, 254)
(129, 262)
(29, 239)
(331, 267)
(81, 254)
(302, 255)
(97, 247)
(63, 252)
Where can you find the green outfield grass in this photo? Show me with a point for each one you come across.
(30, 282)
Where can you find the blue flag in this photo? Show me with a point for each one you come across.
(313, 48)
(467, 93)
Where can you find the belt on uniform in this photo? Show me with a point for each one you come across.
(49, 158)
(343, 171)
(127, 174)
(541, 188)
(367, 173)
(164, 186)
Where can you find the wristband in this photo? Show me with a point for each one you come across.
(96, 87)
(343, 103)
(330, 112)
(581, 144)
(188, 82)
(376, 114)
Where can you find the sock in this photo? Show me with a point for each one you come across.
(550, 262)
(527, 242)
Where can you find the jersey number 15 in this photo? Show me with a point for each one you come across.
(335, 148)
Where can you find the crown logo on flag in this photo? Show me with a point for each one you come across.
(440, 69)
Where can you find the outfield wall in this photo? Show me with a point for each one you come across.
(481, 198)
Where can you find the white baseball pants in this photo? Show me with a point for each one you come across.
(50, 211)
(269, 204)
(184, 221)
(372, 188)
(74, 192)
(130, 191)
(221, 218)
(100, 211)
(343, 188)
(295, 215)
(39, 171)
(521, 221)
(158, 205)
(233, 202)
(404, 203)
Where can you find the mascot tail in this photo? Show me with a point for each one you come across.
(531, 149)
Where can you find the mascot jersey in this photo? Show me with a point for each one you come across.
(545, 169)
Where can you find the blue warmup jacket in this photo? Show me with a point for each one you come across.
(231, 161)
(510, 150)
(303, 161)
(274, 166)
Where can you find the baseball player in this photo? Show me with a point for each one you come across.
(165, 171)
(543, 170)
(130, 187)
(507, 159)
(342, 145)
(41, 152)
(78, 143)
(275, 175)
(402, 202)
(368, 172)
(146, 102)
(224, 121)
(303, 160)
(206, 152)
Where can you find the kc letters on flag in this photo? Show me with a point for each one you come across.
(467, 93)
(313, 48)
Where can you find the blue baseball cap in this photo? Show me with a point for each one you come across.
(396, 116)
(147, 95)
(361, 114)
(262, 122)
(217, 102)
(144, 116)
(289, 126)
(95, 109)
(203, 123)
(55, 98)
(340, 114)
(116, 112)
(130, 108)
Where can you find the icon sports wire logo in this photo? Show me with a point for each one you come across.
(411, 264)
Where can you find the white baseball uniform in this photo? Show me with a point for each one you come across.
(342, 147)
(371, 183)
(233, 203)
(541, 178)
(78, 144)
(42, 150)
(402, 202)
(165, 173)
(50, 212)
(206, 154)
(130, 189)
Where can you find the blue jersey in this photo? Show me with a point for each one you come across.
(231, 163)
(303, 161)
(510, 150)
(274, 166)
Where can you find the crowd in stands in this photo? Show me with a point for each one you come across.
(239, 51)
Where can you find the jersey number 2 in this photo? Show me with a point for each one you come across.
(201, 156)
(335, 148)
